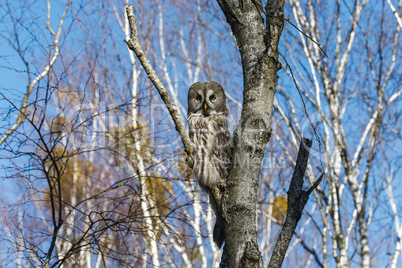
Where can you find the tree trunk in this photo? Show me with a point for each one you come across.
(258, 47)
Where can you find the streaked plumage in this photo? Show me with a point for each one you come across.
(207, 120)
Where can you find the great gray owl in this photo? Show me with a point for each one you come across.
(207, 120)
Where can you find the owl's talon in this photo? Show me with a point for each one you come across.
(221, 185)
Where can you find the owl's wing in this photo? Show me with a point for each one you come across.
(222, 150)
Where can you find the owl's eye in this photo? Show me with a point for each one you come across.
(212, 98)
(198, 98)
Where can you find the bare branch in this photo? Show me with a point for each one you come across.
(134, 44)
(297, 199)
(315, 185)
(397, 16)
(23, 111)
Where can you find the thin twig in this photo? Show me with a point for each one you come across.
(309, 37)
(305, 109)
(315, 185)
(261, 9)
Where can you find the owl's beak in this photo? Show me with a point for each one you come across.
(205, 107)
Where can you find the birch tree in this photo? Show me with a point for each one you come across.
(351, 97)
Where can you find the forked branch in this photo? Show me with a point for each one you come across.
(297, 199)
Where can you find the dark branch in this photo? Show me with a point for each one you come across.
(297, 199)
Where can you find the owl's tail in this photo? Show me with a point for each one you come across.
(218, 234)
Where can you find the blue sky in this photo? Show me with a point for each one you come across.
(81, 39)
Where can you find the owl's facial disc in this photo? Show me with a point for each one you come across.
(206, 98)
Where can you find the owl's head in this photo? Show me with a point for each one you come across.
(206, 98)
